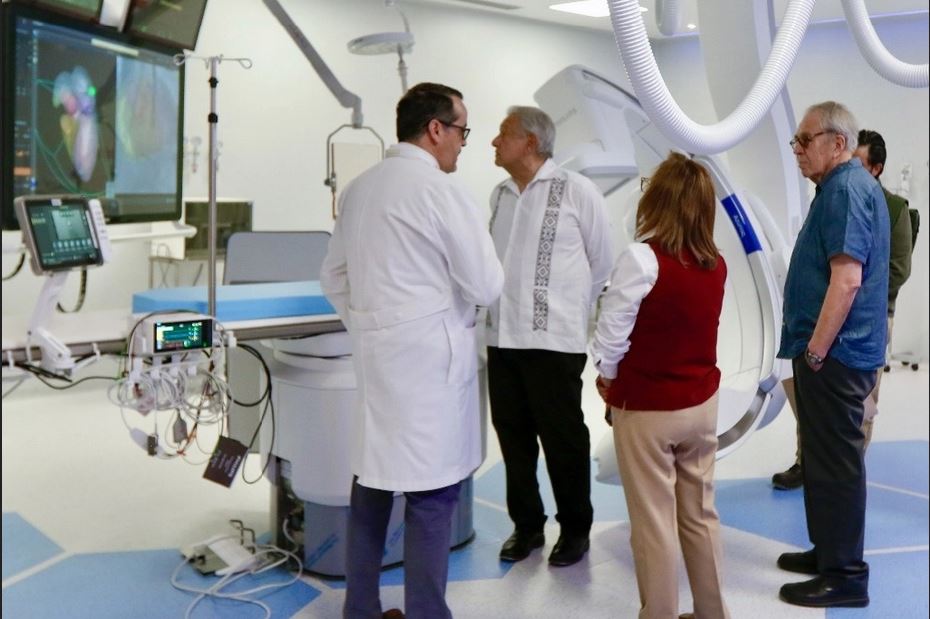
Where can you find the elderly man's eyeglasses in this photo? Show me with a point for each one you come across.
(465, 130)
(804, 140)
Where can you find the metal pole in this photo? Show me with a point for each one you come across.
(212, 119)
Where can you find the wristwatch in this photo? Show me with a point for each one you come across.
(813, 359)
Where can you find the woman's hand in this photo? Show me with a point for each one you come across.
(603, 385)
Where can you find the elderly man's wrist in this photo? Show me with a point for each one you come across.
(813, 358)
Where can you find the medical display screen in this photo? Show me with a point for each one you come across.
(178, 336)
(62, 234)
(175, 23)
(89, 115)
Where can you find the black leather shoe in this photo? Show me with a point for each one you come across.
(788, 480)
(799, 562)
(519, 545)
(823, 592)
(570, 549)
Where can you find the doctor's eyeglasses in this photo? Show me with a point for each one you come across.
(465, 130)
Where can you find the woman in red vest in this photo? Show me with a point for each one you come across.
(655, 349)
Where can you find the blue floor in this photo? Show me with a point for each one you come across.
(24, 546)
(136, 584)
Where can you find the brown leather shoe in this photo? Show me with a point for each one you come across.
(394, 613)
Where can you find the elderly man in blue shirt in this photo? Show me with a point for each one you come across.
(834, 331)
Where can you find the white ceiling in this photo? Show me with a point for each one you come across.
(824, 10)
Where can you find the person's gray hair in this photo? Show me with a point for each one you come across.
(836, 118)
(534, 120)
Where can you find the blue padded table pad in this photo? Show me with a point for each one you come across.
(240, 301)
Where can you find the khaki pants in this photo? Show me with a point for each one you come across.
(666, 462)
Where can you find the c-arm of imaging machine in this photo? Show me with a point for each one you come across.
(610, 139)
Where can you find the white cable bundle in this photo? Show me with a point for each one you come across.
(186, 383)
(248, 566)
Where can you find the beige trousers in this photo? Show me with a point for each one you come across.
(666, 461)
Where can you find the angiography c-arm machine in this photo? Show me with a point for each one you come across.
(751, 227)
(609, 138)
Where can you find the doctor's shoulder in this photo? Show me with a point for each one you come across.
(447, 191)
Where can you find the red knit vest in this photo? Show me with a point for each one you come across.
(672, 360)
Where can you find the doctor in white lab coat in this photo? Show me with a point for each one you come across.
(408, 262)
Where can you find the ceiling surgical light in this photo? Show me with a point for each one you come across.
(387, 43)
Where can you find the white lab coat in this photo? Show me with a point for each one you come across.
(556, 259)
(409, 261)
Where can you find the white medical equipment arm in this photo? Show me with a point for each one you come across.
(876, 54)
(662, 109)
(56, 356)
(762, 411)
(345, 98)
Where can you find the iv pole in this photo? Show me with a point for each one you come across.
(212, 62)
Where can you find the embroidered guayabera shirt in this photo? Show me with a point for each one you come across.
(554, 243)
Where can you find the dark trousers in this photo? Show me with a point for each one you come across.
(537, 393)
(830, 412)
(427, 532)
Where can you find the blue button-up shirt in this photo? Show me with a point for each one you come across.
(848, 216)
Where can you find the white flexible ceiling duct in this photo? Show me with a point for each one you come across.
(668, 16)
(876, 54)
(650, 88)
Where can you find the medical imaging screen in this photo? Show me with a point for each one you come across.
(97, 118)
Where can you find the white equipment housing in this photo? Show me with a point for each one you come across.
(314, 392)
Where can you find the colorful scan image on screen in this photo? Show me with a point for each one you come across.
(97, 118)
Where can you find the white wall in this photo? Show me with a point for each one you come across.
(274, 118)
